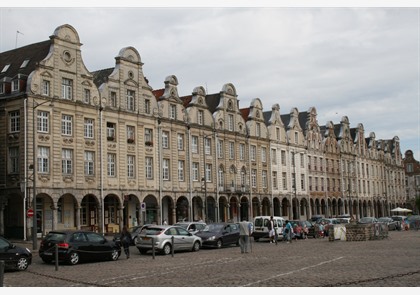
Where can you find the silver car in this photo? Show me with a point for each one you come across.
(192, 226)
(166, 237)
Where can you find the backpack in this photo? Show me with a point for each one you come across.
(286, 230)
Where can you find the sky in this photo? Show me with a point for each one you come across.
(355, 60)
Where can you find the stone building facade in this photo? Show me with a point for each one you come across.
(102, 149)
(412, 181)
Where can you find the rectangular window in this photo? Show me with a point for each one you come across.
(208, 173)
(14, 119)
(258, 129)
(131, 100)
(165, 169)
(147, 108)
(43, 121)
(274, 156)
(195, 171)
(172, 111)
(113, 99)
(149, 167)
(207, 145)
(302, 161)
(67, 89)
(302, 182)
(253, 152)
(88, 128)
(274, 179)
(66, 161)
(130, 134)
(263, 154)
(277, 133)
(194, 144)
(254, 177)
(284, 180)
(220, 152)
(45, 88)
(200, 117)
(148, 137)
(230, 122)
(13, 160)
(66, 125)
(112, 162)
(283, 158)
(86, 97)
(264, 178)
(89, 163)
(15, 85)
(241, 151)
(180, 140)
(131, 166)
(181, 169)
(296, 137)
(165, 139)
(231, 150)
(43, 159)
(110, 131)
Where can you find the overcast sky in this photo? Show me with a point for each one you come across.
(362, 62)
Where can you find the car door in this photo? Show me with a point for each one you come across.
(182, 238)
(80, 244)
(6, 252)
(99, 247)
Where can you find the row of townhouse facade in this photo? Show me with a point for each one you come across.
(103, 149)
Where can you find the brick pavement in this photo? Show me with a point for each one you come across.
(392, 262)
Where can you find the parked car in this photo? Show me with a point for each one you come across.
(305, 226)
(315, 218)
(192, 226)
(76, 246)
(260, 227)
(403, 222)
(366, 220)
(14, 257)
(414, 221)
(220, 234)
(161, 237)
(134, 232)
(389, 222)
(327, 222)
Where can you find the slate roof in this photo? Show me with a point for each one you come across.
(212, 101)
(101, 76)
(34, 53)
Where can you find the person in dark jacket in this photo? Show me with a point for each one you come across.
(125, 241)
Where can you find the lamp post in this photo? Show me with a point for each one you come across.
(293, 186)
(35, 168)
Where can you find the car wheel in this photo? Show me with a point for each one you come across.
(256, 239)
(73, 258)
(219, 244)
(167, 249)
(115, 255)
(22, 263)
(196, 246)
(135, 240)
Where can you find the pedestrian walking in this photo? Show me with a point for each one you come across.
(271, 230)
(289, 231)
(244, 235)
(125, 238)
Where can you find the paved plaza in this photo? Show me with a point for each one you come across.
(391, 262)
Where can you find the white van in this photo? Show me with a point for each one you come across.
(261, 229)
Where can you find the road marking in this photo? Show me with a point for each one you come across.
(292, 272)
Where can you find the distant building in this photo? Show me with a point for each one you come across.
(412, 180)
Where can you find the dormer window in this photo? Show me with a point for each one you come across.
(15, 85)
(6, 67)
(24, 64)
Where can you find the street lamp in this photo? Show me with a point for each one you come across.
(35, 168)
(204, 179)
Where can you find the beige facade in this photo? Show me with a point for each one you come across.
(102, 149)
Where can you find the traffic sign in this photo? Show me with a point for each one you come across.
(30, 213)
(143, 206)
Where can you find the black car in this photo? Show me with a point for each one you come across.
(219, 235)
(14, 257)
(76, 246)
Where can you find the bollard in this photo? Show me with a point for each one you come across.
(153, 249)
(56, 257)
(172, 248)
(1, 272)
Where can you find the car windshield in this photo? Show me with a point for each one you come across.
(53, 236)
(184, 225)
(213, 227)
